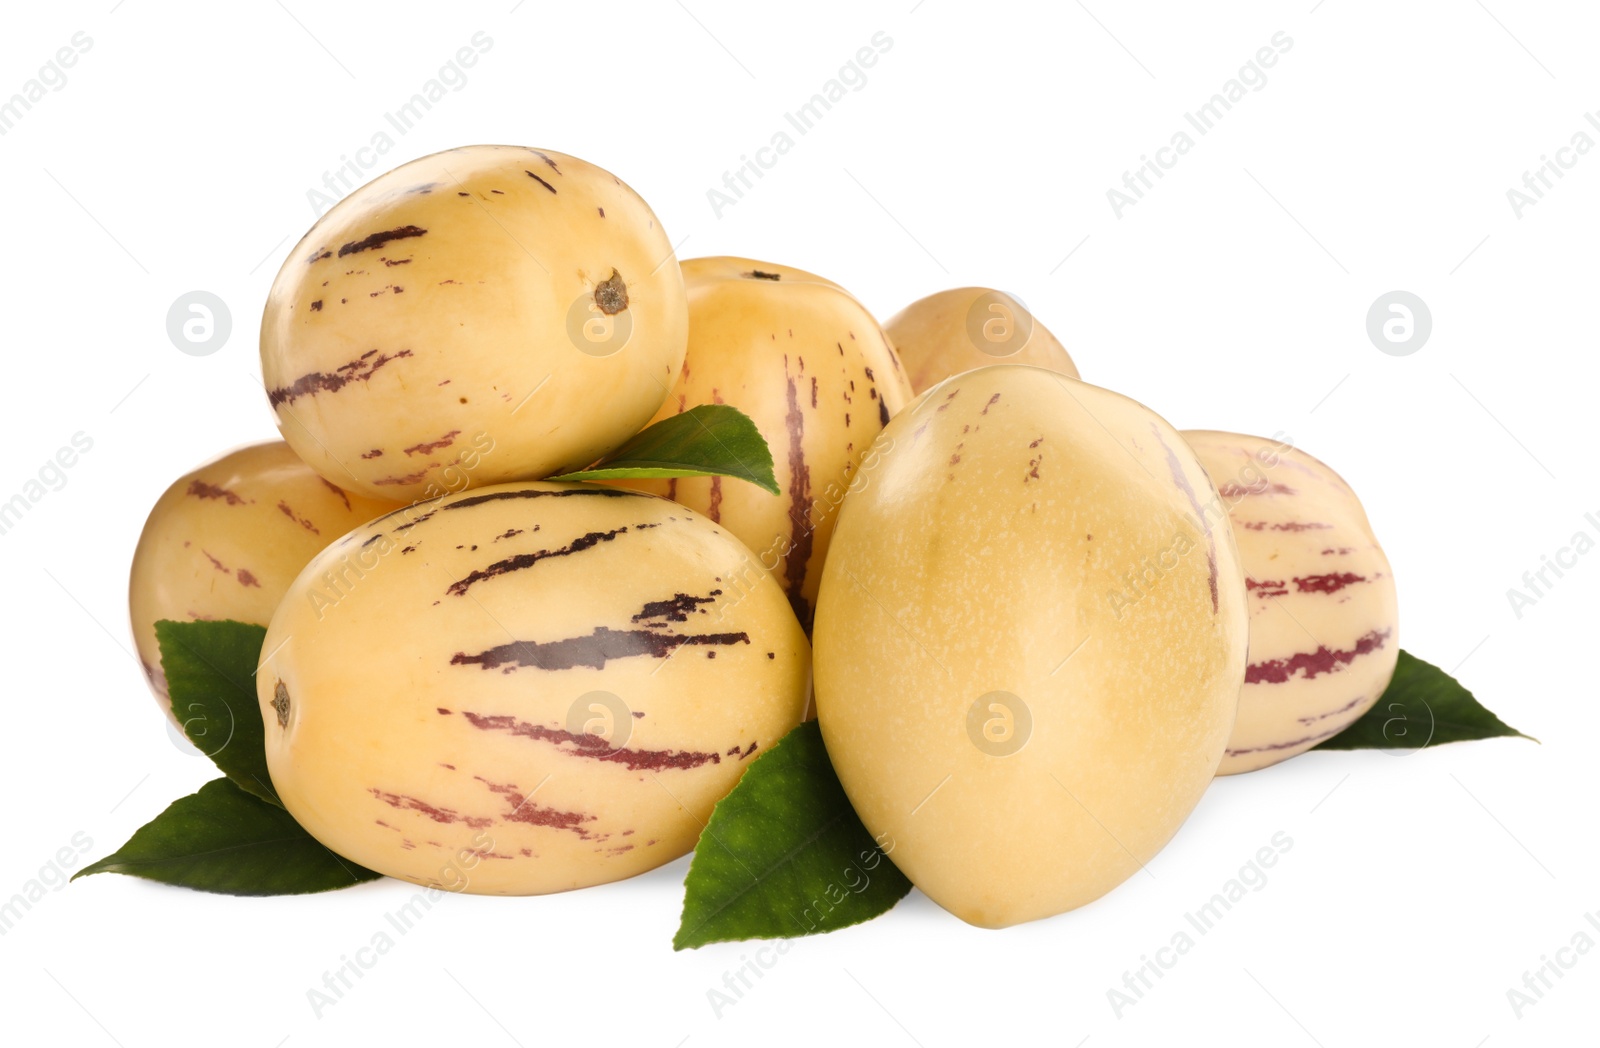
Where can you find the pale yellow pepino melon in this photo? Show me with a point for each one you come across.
(1324, 615)
(518, 304)
(963, 328)
(1029, 643)
(529, 687)
(812, 369)
(225, 542)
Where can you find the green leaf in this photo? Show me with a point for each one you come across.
(712, 440)
(225, 840)
(211, 676)
(785, 855)
(1423, 706)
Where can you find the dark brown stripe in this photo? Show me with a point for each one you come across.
(594, 747)
(379, 239)
(522, 811)
(677, 609)
(443, 815)
(528, 560)
(539, 493)
(288, 511)
(594, 650)
(201, 490)
(408, 525)
(794, 565)
(432, 446)
(407, 478)
(397, 512)
(337, 490)
(358, 370)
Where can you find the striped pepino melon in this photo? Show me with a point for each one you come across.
(1324, 620)
(460, 319)
(546, 686)
(226, 540)
(811, 367)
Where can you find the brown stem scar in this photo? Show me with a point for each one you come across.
(280, 703)
(611, 294)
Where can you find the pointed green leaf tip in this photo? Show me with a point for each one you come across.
(1423, 706)
(225, 840)
(211, 677)
(785, 855)
(712, 440)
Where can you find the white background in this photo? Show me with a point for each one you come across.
(1377, 157)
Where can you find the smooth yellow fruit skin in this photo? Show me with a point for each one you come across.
(443, 324)
(996, 546)
(812, 369)
(1324, 615)
(971, 327)
(225, 542)
(439, 668)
